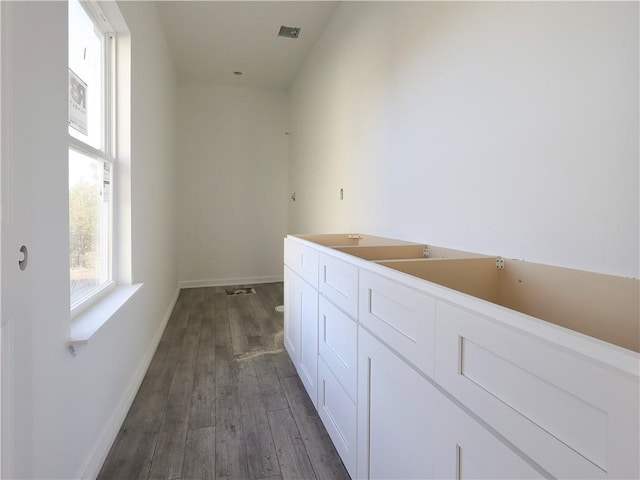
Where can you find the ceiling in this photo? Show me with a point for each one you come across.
(209, 40)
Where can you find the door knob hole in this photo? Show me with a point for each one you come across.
(22, 263)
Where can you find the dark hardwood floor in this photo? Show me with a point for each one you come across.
(221, 399)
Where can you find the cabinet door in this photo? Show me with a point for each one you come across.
(308, 366)
(301, 330)
(395, 415)
(466, 450)
(338, 414)
(292, 315)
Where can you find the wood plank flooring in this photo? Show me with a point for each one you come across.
(222, 400)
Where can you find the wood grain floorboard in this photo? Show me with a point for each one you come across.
(292, 453)
(272, 296)
(203, 395)
(200, 454)
(261, 308)
(221, 321)
(203, 398)
(323, 455)
(261, 455)
(283, 364)
(221, 399)
(130, 456)
(231, 455)
(273, 397)
(226, 367)
(239, 340)
(249, 321)
(168, 457)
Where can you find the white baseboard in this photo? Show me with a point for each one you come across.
(93, 464)
(223, 282)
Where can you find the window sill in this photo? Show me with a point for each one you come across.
(87, 323)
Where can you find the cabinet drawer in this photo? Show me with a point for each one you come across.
(339, 283)
(573, 417)
(338, 345)
(466, 450)
(338, 414)
(303, 260)
(401, 316)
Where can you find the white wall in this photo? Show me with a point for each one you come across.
(232, 199)
(506, 128)
(67, 410)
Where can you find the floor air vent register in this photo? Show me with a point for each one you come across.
(239, 291)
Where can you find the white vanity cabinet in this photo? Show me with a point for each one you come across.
(322, 318)
(427, 362)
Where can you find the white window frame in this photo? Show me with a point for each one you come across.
(108, 154)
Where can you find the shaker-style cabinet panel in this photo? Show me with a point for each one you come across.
(338, 281)
(303, 260)
(395, 415)
(301, 330)
(338, 414)
(292, 313)
(338, 345)
(402, 316)
(573, 417)
(465, 450)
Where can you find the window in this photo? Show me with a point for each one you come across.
(91, 152)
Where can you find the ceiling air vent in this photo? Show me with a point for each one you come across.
(291, 32)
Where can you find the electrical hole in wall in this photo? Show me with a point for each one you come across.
(240, 291)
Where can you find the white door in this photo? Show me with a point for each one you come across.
(33, 163)
(15, 214)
